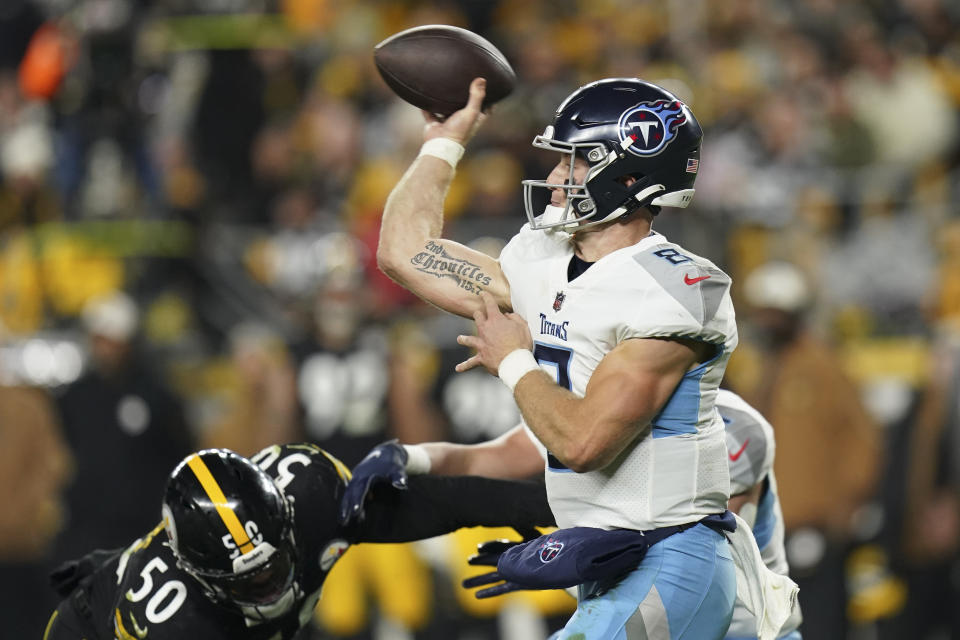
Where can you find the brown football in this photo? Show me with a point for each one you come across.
(431, 67)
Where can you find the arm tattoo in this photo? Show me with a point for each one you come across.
(437, 262)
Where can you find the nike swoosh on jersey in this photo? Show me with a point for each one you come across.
(736, 456)
(688, 280)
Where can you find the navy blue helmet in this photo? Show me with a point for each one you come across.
(622, 127)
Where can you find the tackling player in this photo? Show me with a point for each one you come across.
(635, 330)
(245, 545)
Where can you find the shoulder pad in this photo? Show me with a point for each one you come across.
(308, 453)
(312, 480)
(697, 284)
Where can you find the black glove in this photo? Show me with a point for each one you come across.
(385, 462)
(488, 554)
(68, 576)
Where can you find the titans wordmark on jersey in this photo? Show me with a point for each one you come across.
(653, 289)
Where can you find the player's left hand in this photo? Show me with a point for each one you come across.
(488, 554)
(498, 334)
(385, 463)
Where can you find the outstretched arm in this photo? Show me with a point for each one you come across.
(434, 505)
(512, 456)
(411, 251)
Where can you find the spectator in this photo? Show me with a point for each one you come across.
(126, 430)
(34, 466)
(350, 400)
(262, 405)
(829, 447)
(931, 533)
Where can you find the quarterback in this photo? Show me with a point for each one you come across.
(613, 340)
(244, 546)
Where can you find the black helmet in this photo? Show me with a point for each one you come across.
(621, 127)
(232, 529)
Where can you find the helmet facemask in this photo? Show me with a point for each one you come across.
(579, 205)
(266, 591)
(263, 592)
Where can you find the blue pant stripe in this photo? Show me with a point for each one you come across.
(687, 581)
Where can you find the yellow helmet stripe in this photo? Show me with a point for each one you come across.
(215, 493)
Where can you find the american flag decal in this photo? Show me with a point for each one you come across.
(692, 165)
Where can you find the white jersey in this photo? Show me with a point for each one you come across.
(750, 446)
(678, 472)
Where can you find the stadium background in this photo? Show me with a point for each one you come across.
(189, 202)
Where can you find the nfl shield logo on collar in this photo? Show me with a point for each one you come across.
(558, 301)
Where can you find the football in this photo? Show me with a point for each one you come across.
(431, 67)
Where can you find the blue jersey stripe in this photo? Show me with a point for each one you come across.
(766, 520)
(682, 411)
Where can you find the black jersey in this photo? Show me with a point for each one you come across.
(141, 593)
(155, 599)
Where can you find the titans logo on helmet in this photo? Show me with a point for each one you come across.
(651, 126)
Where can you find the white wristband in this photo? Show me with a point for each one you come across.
(444, 148)
(517, 364)
(418, 460)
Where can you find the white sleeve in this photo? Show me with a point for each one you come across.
(750, 443)
(681, 296)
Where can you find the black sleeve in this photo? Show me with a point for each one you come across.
(434, 505)
(66, 577)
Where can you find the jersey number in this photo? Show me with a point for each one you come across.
(558, 360)
(268, 456)
(252, 532)
(168, 598)
(672, 256)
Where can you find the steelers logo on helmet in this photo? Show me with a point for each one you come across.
(170, 525)
(647, 128)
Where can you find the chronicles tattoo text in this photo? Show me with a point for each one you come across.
(441, 264)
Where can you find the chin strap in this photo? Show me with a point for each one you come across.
(679, 199)
(648, 191)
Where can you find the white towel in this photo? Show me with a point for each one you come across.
(769, 596)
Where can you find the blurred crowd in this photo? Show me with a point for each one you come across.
(190, 193)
